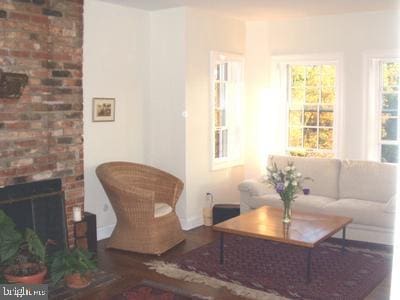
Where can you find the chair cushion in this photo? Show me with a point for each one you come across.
(161, 209)
(324, 173)
(362, 211)
(367, 180)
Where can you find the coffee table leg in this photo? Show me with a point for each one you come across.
(308, 265)
(221, 248)
(344, 239)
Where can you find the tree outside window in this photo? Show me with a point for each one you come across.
(389, 107)
(311, 102)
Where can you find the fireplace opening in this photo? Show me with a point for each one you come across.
(39, 206)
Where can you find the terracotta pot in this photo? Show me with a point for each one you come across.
(37, 278)
(77, 281)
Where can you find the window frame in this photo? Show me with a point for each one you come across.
(373, 64)
(281, 80)
(228, 161)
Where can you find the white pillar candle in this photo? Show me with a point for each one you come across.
(77, 214)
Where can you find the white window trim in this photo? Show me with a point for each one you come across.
(226, 162)
(372, 136)
(279, 78)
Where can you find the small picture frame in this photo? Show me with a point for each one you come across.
(103, 109)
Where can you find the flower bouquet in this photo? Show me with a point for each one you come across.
(286, 182)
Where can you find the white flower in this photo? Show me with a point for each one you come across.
(293, 168)
(294, 183)
(286, 183)
(287, 169)
(298, 174)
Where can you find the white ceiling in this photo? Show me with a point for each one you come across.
(269, 9)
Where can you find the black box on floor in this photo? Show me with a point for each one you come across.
(223, 212)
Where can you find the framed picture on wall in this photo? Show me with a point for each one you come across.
(103, 109)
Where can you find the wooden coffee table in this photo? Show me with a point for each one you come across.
(306, 230)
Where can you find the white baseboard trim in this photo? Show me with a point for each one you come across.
(191, 223)
(104, 232)
(187, 224)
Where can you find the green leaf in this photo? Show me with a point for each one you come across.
(71, 261)
(8, 251)
(57, 275)
(10, 238)
(5, 220)
(35, 245)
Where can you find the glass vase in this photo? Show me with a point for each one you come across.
(287, 212)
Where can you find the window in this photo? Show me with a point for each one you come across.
(226, 99)
(382, 138)
(388, 99)
(312, 96)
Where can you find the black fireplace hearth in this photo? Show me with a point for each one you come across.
(39, 206)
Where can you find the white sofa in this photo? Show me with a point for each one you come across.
(362, 190)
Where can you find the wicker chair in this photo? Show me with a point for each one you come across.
(144, 200)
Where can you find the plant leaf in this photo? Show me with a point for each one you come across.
(71, 261)
(10, 238)
(35, 245)
(5, 220)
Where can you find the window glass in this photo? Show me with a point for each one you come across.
(389, 95)
(311, 99)
(227, 86)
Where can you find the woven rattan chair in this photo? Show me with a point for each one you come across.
(144, 200)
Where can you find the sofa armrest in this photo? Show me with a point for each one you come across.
(255, 188)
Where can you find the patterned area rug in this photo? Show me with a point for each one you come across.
(261, 269)
(149, 290)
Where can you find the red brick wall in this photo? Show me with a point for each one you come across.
(41, 132)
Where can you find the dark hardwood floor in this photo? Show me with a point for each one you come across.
(129, 267)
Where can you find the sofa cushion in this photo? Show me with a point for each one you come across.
(305, 203)
(390, 206)
(362, 211)
(367, 180)
(161, 209)
(267, 199)
(324, 172)
(255, 188)
(311, 203)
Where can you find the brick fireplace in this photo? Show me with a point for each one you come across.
(41, 132)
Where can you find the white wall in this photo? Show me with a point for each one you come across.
(115, 65)
(350, 35)
(257, 116)
(178, 112)
(156, 65)
(206, 32)
(165, 123)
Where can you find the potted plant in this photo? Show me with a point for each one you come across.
(22, 254)
(74, 265)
